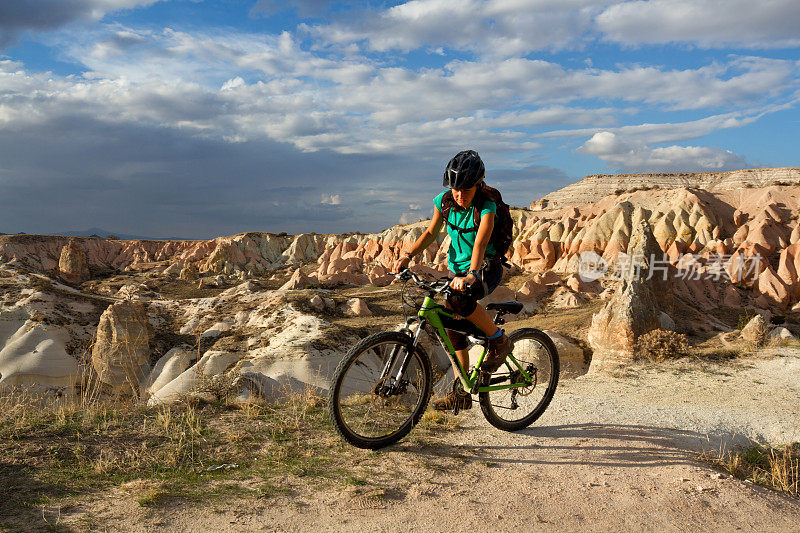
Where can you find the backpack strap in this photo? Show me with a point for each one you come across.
(477, 203)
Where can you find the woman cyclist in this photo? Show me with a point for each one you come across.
(471, 258)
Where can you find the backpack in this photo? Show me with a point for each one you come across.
(502, 233)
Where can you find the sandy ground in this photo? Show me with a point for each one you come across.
(612, 453)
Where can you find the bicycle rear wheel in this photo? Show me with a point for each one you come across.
(518, 408)
(372, 412)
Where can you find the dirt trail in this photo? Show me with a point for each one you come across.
(611, 454)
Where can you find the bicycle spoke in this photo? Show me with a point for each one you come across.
(364, 411)
(516, 407)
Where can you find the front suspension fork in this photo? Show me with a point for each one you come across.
(410, 349)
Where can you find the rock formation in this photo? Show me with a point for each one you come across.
(593, 188)
(298, 280)
(171, 365)
(357, 307)
(632, 311)
(742, 225)
(732, 246)
(72, 264)
(189, 272)
(121, 352)
(33, 354)
(755, 330)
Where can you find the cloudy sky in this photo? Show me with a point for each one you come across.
(196, 118)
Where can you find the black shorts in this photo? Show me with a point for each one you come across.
(489, 276)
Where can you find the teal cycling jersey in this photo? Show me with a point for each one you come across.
(462, 242)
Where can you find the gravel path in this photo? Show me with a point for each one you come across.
(610, 454)
(756, 400)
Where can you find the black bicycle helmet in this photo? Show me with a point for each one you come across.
(465, 170)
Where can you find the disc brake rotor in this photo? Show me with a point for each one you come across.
(524, 391)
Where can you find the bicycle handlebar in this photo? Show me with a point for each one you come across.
(435, 287)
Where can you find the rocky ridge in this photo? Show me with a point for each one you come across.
(754, 233)
(592, 188)
(725, 252)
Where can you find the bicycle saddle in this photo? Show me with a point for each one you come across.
(506, 307)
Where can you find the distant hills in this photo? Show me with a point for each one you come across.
(100, 232)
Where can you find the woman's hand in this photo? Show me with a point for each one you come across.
(401, 263)
(461, 283)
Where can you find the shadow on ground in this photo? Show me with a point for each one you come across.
(23, 500)
(612, 445)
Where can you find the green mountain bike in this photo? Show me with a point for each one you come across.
(382, 386)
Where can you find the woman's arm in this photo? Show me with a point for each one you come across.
(425, 240)
(430, 234)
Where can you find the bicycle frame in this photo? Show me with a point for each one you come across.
(432, 313)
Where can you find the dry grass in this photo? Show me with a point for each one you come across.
(54, 449)
(716, 353)
(774, 467)
(659, 345)
(63, 451)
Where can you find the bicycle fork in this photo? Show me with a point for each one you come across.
(395, 381)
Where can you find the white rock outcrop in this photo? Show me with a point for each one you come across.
(33, 354)
(195, 378)
(298, 280)
(779, 335)
(755, 330)
(171, 365)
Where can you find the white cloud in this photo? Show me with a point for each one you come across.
(396, 95)
(240, 86)
(707, 23)
(681, 131)
(410, 217)
(630, 155)
(331, 199)
(492, 28)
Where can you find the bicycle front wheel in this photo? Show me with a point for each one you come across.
(518, 408)
(367, 405)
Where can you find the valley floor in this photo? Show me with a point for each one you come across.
(612, 453)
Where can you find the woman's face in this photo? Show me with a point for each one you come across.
(463, 197)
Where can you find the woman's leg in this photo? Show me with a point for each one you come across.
(459, 342)
(481, 318)
(466, 303)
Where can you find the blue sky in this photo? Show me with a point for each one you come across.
(204, 118)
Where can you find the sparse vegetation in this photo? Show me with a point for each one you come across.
(660, 345)
(774, 467)
(643, 188)
(42, 284)
(745, 318)
(716, 353)
(56, 451)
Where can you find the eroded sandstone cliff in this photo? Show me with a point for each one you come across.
(726, 249)
(593, 188)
